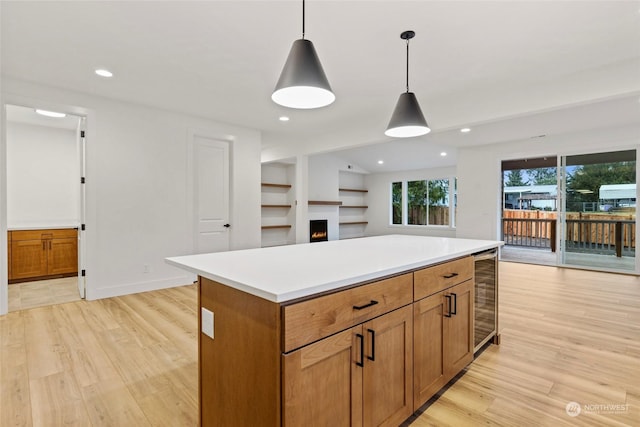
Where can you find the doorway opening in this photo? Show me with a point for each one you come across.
(45, 171)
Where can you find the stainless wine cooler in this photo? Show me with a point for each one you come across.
(486, 297)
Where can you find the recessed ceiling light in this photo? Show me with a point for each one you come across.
(465, 130)
(104, 73)
(50, 113)
(444, 153)
(283, 118)
(380, 162)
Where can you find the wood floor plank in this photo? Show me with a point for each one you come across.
(56, 401)
(14, 386)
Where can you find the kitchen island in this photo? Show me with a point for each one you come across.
(352, 332)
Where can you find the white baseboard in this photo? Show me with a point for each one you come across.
(134, 288)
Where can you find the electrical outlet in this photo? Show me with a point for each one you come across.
(147, 269)
(207, 322)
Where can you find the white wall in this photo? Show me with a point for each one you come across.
(138, 210)
(43, 173)
(379, 202)
(479, 171)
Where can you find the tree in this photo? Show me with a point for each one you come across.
(543, 176)
(583, 185)
(514, 179)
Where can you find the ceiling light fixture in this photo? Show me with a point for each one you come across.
(303, 83)
(104, 73)
(465, 130)
(443, 154)
(51, 113)
(407, 119)
(283, 118)
(380, 162)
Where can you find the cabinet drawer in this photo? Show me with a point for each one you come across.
(58, 233)
(311, 320)
(433, 279)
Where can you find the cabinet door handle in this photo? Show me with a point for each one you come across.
(44, 245)
(373, 345)
(448, 313)
(361, 338)
(49, 244)
(450, 275)
(455, 303)
(360, 307)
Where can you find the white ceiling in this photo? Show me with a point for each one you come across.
(508, 69)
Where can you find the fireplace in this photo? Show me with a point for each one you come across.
(318, 230)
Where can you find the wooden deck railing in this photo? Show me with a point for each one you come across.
(600, 236)
(534, 233)
(582, 235)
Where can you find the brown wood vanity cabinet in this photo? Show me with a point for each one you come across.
(442, 324)
(35, 254)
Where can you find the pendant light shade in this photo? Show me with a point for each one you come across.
(303, 83)
(407, 119)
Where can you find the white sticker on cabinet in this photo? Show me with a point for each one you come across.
(207, 322)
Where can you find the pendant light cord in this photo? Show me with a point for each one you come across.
(407, 65)
(303, 19)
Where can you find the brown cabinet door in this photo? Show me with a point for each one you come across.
(388, 368)
(322, 382)
(28, 258)
(458, 329)
(428, 342)
(62, 255)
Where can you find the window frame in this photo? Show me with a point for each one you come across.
(452, 201)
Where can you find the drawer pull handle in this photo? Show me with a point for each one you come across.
(373, 345)
(455, 303)
(361, 362)
(449, 276)
(448, 313)
(360, 307)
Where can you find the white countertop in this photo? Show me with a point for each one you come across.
(284, 273)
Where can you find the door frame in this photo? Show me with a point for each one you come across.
(29, 102)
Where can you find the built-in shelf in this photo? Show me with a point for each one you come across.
(274, 227)
(278, 205)
(352, 212)
(269, 184)
(356, 190)
(325, 202)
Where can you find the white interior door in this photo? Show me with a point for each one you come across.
(211, 194)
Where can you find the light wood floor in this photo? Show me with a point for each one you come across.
(39, 293)
(567, 335)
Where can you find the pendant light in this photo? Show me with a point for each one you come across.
(302, 83)
(407, 119)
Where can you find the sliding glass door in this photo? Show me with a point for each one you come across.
(598, 210)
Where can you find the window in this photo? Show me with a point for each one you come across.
(423, 202)
(396, 203)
